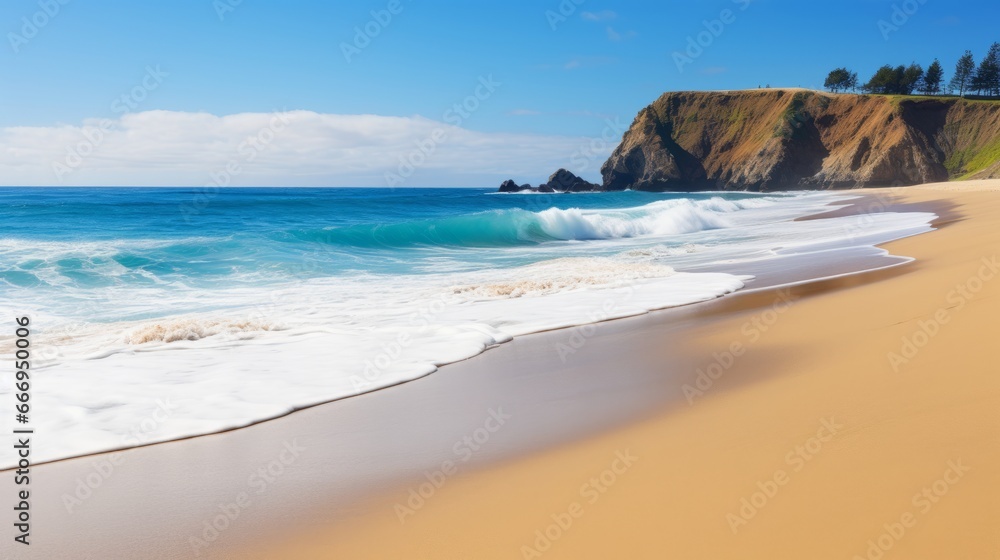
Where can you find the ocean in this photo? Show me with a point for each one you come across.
(161, 313)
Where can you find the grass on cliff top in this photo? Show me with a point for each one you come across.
(897, 99)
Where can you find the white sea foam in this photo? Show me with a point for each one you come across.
(232, 356)
(564, 274)
(173, 330)
(668, 217)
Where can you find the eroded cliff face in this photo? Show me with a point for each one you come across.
(788, 139)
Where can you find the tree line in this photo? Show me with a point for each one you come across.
(969, 77)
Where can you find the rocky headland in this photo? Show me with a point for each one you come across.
(765, 140)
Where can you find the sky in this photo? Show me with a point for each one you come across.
(407, 92)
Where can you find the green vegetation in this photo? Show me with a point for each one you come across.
(905, 80)
(932, 79)
(689, 121)
(793, 117)
(841, 79)
(899, 80)
(971, 161)
(736, 122)
(895, 99)
(987, 78)
(965, 70)
(955, 164)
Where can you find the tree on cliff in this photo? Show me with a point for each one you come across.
(911, 77)
(933, 78)
(883, 81)
(987, 78)
(898, 80)
(841, 79)
(965, 71)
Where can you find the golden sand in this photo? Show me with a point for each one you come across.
(863, 422)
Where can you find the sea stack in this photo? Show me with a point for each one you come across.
(562, 181)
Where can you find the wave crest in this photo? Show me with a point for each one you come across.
(501, 228)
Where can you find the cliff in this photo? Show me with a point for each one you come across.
(781, 139)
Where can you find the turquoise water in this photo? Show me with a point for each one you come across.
(57, 238)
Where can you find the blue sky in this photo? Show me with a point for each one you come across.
(560, 69)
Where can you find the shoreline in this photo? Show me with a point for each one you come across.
(615, 406)
(766, 272)
(512, 491)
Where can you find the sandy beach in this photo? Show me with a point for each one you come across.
(862, 423)
(849, 417)
(572, 280)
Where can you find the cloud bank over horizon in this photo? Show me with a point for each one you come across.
(291, 148)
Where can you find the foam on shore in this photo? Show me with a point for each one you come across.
(258, 352)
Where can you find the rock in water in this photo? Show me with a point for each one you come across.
(565, 181)
(510, 186)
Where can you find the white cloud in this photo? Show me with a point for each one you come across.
(616, 36)
(603, 15)
(296, 148)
